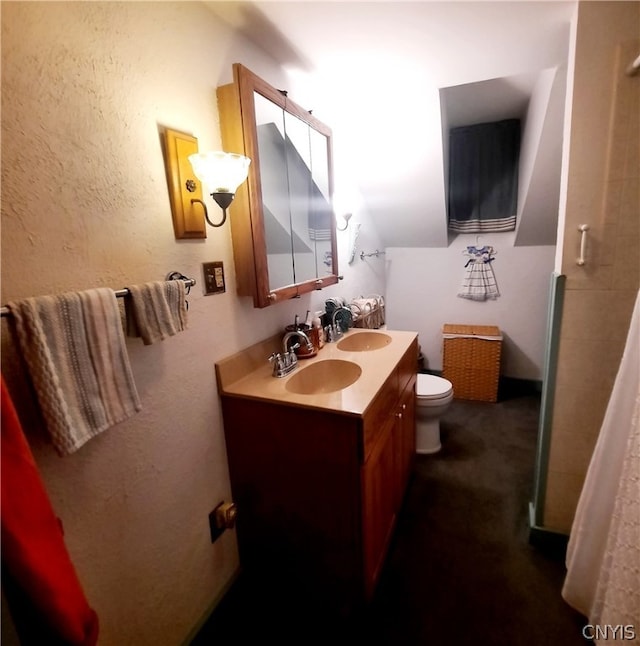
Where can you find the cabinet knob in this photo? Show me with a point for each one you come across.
(404, 406)
(399, 415)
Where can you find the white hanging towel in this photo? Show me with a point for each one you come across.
(479, 283)
(156, 310)
(74, 348)
(603, 555)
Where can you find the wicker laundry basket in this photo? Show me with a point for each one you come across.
(471, 360)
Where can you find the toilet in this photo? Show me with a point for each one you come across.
(433, 396)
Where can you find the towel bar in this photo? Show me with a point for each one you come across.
(375, 253)
(174, 275)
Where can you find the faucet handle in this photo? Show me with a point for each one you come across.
(278, 363)
(277, 360)
(290, 359)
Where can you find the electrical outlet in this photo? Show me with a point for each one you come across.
(213, 277)
(213, 525)
(221, 518)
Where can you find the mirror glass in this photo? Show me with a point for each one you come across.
(300, 190)
(322, 211)
(270, 127)
(296, 200)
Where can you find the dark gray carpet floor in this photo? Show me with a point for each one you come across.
(461, 570)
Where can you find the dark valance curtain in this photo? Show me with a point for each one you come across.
(483, 176)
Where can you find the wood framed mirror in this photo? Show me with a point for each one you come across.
(282, 219)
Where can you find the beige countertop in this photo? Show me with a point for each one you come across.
(248, 374)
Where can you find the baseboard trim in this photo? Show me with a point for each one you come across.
(548, 541)
(507, 386)
(211, 609)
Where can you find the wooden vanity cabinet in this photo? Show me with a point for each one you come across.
(318, 492)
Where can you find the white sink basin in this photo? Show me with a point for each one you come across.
(325, 376)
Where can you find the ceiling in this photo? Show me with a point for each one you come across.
(387, 75)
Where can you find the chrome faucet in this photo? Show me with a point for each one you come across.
(335, 331)
(284, 363)
(289, 335)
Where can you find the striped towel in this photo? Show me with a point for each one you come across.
(74, 348)
(156, 310)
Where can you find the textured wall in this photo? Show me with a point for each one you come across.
(85, 88)
(602, 190)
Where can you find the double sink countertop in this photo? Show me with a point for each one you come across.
(248, 374)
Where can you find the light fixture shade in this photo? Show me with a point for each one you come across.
(221, 172)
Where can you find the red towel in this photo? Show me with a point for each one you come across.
(46, 599)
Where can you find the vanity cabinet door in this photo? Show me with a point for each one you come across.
(378, 505)
(405, 419)
(405, 436)
(295, 476)
(389, 448)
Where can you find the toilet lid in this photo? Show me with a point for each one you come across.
(432, 387)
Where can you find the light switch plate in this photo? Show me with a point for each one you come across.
(213, 277)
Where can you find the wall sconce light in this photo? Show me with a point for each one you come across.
(346, 217)
(223, 172)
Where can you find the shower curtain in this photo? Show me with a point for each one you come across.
(603, 555)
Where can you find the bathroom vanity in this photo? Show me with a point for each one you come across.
(319, 461)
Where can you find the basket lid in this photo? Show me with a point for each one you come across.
(487, 332)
